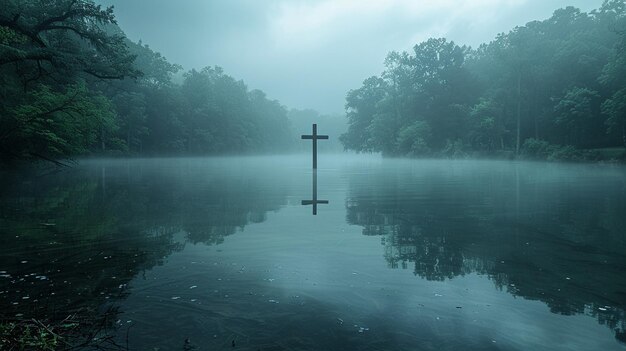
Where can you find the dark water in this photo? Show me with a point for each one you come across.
(407, 255)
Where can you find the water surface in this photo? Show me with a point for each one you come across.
(407, 255)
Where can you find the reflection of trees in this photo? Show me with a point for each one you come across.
(83, 235)
(415, 232)
(557, 242)
(230, 208)
(66, 251)
(206, 207)
(410, 237)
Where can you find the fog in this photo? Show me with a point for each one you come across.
(308, 54)
(498, 79)
(313, 175)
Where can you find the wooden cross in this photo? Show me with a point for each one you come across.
(314, 137)
(315, 201)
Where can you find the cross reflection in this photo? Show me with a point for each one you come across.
(314, 201)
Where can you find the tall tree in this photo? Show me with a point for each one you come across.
(557, 84)
(62, 38)
(361, 110)
(614, 72)
(47, 49)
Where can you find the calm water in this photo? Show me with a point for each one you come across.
(407, 255)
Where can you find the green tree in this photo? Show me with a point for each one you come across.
(615, 109)
(62, 38)
(487, 126)
(49, 53)
(413, 140)
(140, 112)
(575, 111)
(614, 72)
(558, 81)
(131, 113)
(49, 124)
(361, 108)
(423, 94)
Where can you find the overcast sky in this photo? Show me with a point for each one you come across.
(308, 53)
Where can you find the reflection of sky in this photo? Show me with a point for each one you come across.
(294, 258)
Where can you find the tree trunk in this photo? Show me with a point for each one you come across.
(128, 139)
(535, 113)
(102, 138)
(519, 108)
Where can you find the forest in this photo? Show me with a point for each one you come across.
(72, 84)
(552, 89)
(471, 185)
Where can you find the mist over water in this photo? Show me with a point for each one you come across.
(407, 254)
(312, 175)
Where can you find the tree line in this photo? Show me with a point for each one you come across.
(72, 83)
(552, 89)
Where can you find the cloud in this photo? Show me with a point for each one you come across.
(311, 25)
(309, 53)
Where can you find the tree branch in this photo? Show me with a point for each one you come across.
(17, 56)
(15, 26)
(64, 106)
(103, 76)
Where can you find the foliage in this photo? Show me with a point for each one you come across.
(62, 39)
(413, 139)
(361, 107)
(74, 332)
(72, 84)
(538, 149)
(487, 130)
(55, 124)
(543, 150)
(576, 111)
(454, 149)
(28, 336)
(566, 153)
(615, 109)
(223, 116)
(559, 81)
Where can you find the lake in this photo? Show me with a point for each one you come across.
(201, 253)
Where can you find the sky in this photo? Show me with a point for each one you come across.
(310, 53)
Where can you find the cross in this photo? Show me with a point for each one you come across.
(315, 201)
(314, 136)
